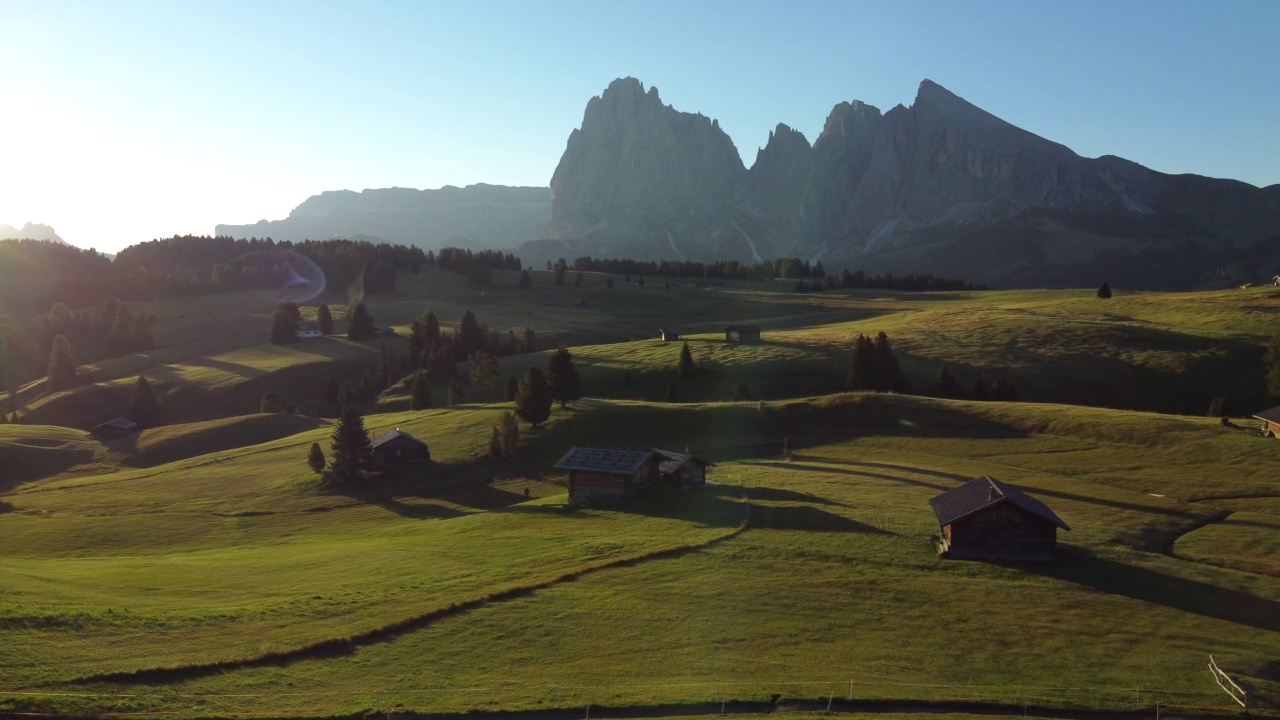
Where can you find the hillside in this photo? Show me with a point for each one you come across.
(232, 581)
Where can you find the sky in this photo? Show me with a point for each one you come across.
(125, 121)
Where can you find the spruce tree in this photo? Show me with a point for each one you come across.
(456, 395)
(470, 336)
(284, 329)
(271, 403)
(889, 373)
(563, 378)
(559, 275)
(513, 387)
(672, 395)
(332, 389)
(360, 325)
(685, 368)
(1005, 391)
(350, 447)
(948, 386)
(484, 370)
(420, 392)
(525, 280)
(144, 408)
(742, 393)
(315, 459)
(442, 368)
(510, 433)
(530, 340)
(981, 390)
(120, 341)
(61, 373)
(863, 373)
(324, 318)
(533, 399)
(1104, 291)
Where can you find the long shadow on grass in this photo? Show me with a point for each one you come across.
(769, 494)
(887, 466)
(801, 467)
(1082, 567)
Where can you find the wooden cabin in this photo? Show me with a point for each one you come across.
(742, 334)
(985, 519)
(397, 447)
(1270, 421)
(607, 475)
(113, 429)
(681, 470)
(668, 334)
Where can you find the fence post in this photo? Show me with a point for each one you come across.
(831, 700)
(851, 691)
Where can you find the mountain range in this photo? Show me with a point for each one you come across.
(30, 231)
(942, 187)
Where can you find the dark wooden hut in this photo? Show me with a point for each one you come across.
(397, 447)
(742, 334)
(668, 334)
(1270, 421)
(607, 475)
(985, 519)
(681, 470)
(112, 429)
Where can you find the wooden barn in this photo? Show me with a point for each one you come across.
(1270, 421)
(742, 334)
(668, 334)
(397, 447)
(681, 470)
(984, 519)
(607, 475)
(112, 429)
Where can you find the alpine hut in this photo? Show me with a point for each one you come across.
(397, 447)
(681, 470)
(742, 334)
(985, 519)
(113, 429)
(607, 475)
(1270, 421)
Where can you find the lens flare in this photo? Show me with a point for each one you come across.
(300, 278)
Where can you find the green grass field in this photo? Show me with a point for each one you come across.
(242, 585)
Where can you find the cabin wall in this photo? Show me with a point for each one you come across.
(598, 487)
(1273, 428)
(1002, 532)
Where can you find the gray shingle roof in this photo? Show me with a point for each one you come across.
(985, 492)
(671, 461)
(1270, 415)
(610, 462)
(392, 435)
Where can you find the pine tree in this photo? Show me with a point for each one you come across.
(144, 408)
(62, 368)
(863, 373)
(420, 392)
(1219, 407)
(1005, 391)
(559, 275)
(533, 399)
(742, 394)
(271, 403)
(685, 369)
(350, 447)
(442, 368)
(120, 341)
(513, 387)
(1104, 291)
(510, 433)
(948, 386)
(470, 336)
(525, 279)
(484, 370)
(530, 340)
(672, 395)
(889, 373)
(563, 378)
(315, 459)
(456, 395)
(284, 329)
(324, 318)
(332, 389)
(360, 325)
(981, 390)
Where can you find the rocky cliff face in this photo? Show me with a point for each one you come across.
(29, 231)
(941, 186)
(491, 216)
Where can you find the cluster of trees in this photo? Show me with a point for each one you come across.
(471, 263)
(65, 338)
(535, 392)
(875, 367)
(48, 272)
(949, 387)
(350, 449)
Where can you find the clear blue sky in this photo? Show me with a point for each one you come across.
(123, 121)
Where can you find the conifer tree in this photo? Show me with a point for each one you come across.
(62, 367)
(350, 447)
(144, 409)
(470, 336)
(608, 282)
(685, 369)
(563, 378)
(271, 403)
(530, 340)
(142, 337)
(420, 392)
(863, 374)
(577, 280)
(360, 325)
(1005, 391)
(1104, 291)
(324, 318)
(513, 387)
(332, 389)
(742, 393)
(559, 275)
(442, 368)
(533, 399)
(981, 390)
(525, 279)
(284, 329)
(948, 386)
(510, 433)
(672, 395)
(484, 370)
(456, 395)
(121, 337)
(315, 459)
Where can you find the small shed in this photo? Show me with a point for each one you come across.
(309, 329)
(397, 447)
(1270, 421)
(597, 475)
(985, 519)
(112, 429)
(681, 470)
(742, 334)
(668, 334)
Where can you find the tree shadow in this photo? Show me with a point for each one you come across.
(886, 466)
(807, 517)
(801, 467)
(419, 511)
(769, 494)
(1081, 567)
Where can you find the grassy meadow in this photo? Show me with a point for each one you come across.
(200, 569)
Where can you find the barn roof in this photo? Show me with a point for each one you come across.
(610, 462)
(390, 435)
(670, 461)
(119, 424)
(985, 492)
(1272, 415)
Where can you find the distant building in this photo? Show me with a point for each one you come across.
(742, 334)
(1270, 421)
(984, 519)
(597, 475)
(309, 329)
(681, 469)
(668, 334)
(113, 429)
(397, 447)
